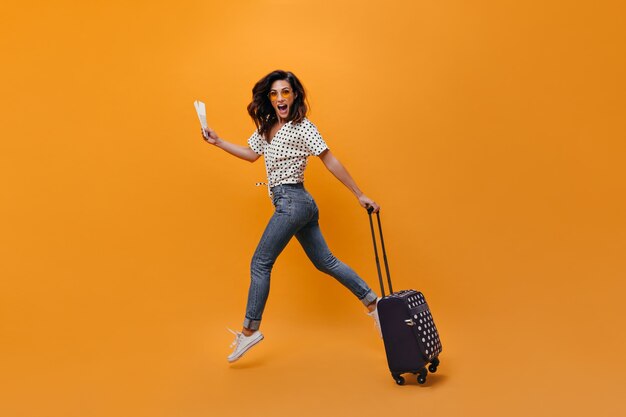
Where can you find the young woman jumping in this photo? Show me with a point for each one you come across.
(286, 138)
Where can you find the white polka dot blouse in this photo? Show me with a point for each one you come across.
(286, 155)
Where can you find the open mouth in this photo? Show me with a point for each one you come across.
(282, 108)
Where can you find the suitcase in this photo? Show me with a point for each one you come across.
(409, 333)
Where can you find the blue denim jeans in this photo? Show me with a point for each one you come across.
(296, 215)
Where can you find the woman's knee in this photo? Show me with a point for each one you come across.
(326, 263)
(260, 263)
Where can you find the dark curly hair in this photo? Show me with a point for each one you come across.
(260, 108)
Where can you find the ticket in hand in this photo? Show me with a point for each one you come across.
(201, 110)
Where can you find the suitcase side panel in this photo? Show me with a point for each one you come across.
(401, 342)
(424, 326)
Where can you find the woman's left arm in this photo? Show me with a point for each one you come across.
(342, 174)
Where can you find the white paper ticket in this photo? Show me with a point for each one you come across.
(201, 110)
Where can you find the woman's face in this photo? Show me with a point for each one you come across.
(281, 96)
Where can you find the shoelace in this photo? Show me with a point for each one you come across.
(238, 336)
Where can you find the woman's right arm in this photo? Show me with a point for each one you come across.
(243, 152)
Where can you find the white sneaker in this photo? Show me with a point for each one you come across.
(242, 343)
(374, 315)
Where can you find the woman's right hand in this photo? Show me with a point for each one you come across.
(210, 135)
(368, 203)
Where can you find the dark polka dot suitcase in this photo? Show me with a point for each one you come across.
(410, 336)
(411, 339)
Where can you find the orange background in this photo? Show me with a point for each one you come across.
(492, 133)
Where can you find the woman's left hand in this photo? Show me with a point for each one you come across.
(367, 202)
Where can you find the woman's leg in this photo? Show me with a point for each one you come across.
(277, 234)
(279, 231)
(312, 240)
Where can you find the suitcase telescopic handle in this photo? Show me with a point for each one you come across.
(382, 244)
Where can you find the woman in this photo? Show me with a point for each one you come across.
(285, 137)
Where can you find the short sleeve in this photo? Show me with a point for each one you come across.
(256, 143)
(312, 139)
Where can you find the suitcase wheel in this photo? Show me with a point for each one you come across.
(433, 366)
(421, 377)
(398, 378)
